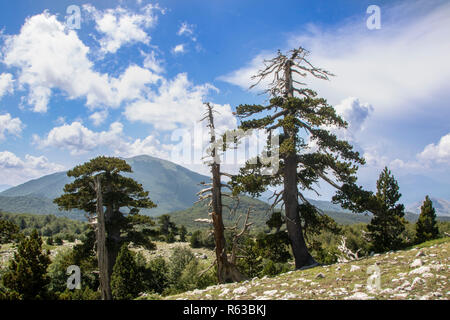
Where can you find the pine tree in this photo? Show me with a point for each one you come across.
(9, 231)
(99, 183)
(27, 273)
(300, 115)
(426, 227)
(388, 221)
(125, 280)
(183, 233)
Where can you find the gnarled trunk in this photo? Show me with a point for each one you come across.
(293, 222)
(226, 271)
(290, 194)
(102, 249)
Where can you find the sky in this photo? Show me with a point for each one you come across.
(124, 78)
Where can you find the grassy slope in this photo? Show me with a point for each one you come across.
(398, 280)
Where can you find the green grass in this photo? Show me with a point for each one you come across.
(339, 282)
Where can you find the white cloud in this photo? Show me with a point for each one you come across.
(6, 84)
(391, 68)
(186, 29)
(121, 26)
(78, 139)
(147, 146)
(99, 117)
(152, 63)
(354, 112)
(178, 49)
(49, 56)
(439, 152)
(16, 170)
(177, 103)
(10, 125)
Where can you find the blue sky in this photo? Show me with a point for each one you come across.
(135, 74)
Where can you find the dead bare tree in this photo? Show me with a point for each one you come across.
(226, 269)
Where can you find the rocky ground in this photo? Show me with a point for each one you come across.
(420, 273)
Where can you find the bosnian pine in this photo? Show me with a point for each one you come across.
(426, 227)
(99, 184)
(299, 114)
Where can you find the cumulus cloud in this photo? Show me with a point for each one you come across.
(49, 56)
(439, 152)
(152, 63)
(78, 139)
(10, 125)
(178, 49)
(16, 170)
(121, 26)
(406, 60)
(178, 102)
(98, 117)
(354, 112)
(6, 84)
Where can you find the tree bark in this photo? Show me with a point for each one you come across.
(102, 250)
(290, 194)
(226, 271)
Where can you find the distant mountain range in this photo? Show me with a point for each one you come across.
(441, 206)
(172, 187)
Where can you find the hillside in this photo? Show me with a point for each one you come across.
(259, 214)
(419, 273)
(172, 187)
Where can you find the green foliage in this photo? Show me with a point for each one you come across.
(27, 271)
(155, 275)
(202, 239)
(46, 225)
(183, 233)
(184, 272)
(9, 231)
(82, 294)
(426, 226)
(126, 281)
(388, 223)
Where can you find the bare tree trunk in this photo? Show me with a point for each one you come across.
(102, 250)
(290, 193)
(226, 271)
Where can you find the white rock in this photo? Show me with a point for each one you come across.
(417, 280)
(354, 268)
(359, 296)
(400, 295)
(224, 292)
(240, 290)
(416, 263)
(438, 267)
(288, 296)
(420, 270)
(427, 275)
(270, 292)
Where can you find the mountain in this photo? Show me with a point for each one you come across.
(171, 187)
(4, 187)
(441, 206)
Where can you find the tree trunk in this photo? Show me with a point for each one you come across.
(226, 271)
(293, 223)
(113, 240)
(102, 250)
(290, 195)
